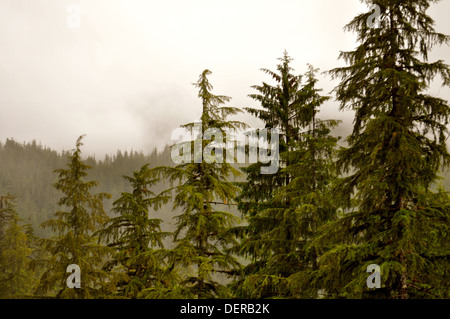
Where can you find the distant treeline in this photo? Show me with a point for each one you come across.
(27, 172)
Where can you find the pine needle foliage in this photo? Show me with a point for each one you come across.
(17, 242)
(136, 238)
(201, 191)
(74, 241)
(284, 210)
(395, 152)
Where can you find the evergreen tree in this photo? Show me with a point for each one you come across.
(309, 194)
(283, 220)
(74, 242)
(16, 251)
(202, 188)
(134, 235)
(281, 110)
(391, 217)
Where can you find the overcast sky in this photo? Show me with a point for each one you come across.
(124, 76)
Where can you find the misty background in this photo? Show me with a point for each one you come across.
(124, 77)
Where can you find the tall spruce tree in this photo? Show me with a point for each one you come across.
(276, 205)
(280, 104)
(279, 109)
(135, 238)
(74, 242)
(391, 217)
(202, 188)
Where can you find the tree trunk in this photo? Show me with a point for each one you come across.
(404, 274)
(403, 278)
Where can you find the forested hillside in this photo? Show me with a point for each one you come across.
(27, 172)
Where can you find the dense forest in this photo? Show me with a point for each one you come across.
(27, 173)
(142, 226)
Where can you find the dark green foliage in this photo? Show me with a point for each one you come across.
(395, 152)
(202, 237)
(134, 237)
(280, 109)
(16, 251)
(74, 242)
(309, 193)
(285, 211)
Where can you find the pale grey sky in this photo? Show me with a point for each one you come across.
(124, 77)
